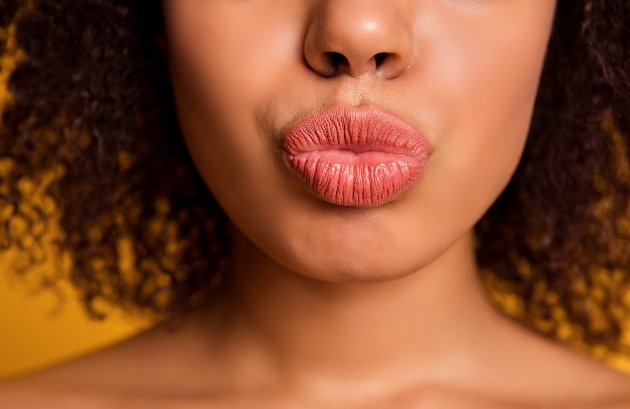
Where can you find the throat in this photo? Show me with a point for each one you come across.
(307, 329)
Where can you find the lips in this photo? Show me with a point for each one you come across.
(356, 158)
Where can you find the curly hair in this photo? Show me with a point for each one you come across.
(91, 104)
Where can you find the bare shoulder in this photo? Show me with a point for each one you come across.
(455, 399)
(155, 369)
(521, 370)
(548, 371)
(122, 376)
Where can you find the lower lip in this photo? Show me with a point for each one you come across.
(356, 174)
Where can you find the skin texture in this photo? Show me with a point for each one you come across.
(454, 78)
(332, 306)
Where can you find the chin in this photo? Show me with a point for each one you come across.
(356, 275)
(351, 266)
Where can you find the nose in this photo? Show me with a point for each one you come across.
(358, 38)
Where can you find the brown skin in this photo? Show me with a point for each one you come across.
(345, 307)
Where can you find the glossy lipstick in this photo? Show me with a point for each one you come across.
(359, 158)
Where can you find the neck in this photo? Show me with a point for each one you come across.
(319, 330)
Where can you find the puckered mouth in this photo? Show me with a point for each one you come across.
(356, 158)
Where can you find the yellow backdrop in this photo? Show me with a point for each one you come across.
(37, 329)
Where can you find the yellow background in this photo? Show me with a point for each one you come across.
(38, 327)
(36, 330)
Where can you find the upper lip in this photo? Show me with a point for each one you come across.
(369, 129)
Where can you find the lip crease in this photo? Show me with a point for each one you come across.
(361, 158)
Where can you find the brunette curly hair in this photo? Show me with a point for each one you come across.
(91, 105)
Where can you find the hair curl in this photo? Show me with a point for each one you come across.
(92, 104)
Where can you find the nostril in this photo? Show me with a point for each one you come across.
(335, 63)
(336, 60)
(380, 58)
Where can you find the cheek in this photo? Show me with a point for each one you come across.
(484, 78)
(225, 57)
(223, 60)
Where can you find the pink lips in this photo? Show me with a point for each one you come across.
(356, 158)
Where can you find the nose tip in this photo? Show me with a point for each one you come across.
(357, 38)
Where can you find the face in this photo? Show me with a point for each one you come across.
(463, 74)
